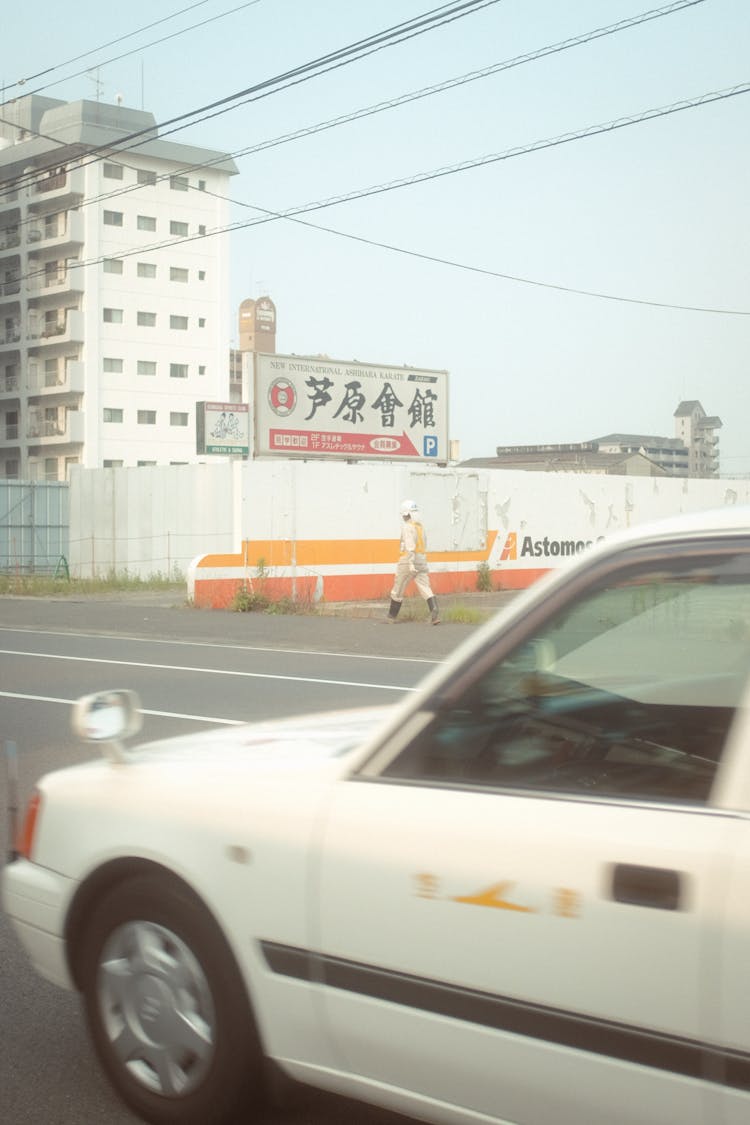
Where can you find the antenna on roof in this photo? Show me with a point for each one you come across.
(93, 75)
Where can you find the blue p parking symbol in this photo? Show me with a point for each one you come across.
(430, 445)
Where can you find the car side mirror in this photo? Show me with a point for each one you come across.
(107, 717)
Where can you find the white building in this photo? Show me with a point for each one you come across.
(114, 311)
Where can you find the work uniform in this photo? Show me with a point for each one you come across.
(412, 561)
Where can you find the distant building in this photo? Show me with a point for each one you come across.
(698, 431)
(693, 452)
(113, 307)
(257, 333)
(583, 458)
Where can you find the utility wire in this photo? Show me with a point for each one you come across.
(437, 17)
(423, 177)
(393, 103)
(145, 46)
(103, 46)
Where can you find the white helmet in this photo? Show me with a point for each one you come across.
(409, 508)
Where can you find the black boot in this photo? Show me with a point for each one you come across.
(434, 611)
(392, 612)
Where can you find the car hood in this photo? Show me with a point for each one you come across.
(303, 739)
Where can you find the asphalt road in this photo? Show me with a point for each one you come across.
(192, 669)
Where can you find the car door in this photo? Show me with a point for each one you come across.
(516, 904)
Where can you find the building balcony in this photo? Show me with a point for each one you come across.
(9, 291)
(57, 186)
(9, 435)
(10, 385)
(10, 335)
(67, 328)
(46, 432)
(54, 283)
(65, 379)
(56, 230)
(10, 238)
(8, 199)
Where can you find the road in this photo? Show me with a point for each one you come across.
(192, 669)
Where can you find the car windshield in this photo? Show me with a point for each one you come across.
(630, 690)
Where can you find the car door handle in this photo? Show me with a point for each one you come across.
(656, 887)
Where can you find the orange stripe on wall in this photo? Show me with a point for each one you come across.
(257, 553)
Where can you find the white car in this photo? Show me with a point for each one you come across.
(523, 895)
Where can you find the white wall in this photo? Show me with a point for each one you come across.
(332, 520)
(148, 521)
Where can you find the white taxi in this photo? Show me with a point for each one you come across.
(523, 895)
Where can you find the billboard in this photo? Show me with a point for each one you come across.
(310, 407)
(222, 427)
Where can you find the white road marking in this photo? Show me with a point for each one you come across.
(217, 644)
(203, 671)
(143, 710)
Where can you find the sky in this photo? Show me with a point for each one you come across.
(642, 218)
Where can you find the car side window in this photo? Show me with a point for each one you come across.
(628, 692)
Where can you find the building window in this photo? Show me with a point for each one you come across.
(145, 177)
(112, 171)
(11, 469)
(180, 322)
(178, 228)
(178, 371)
(201, 322)
(113, 218)
(112, 265)
(113, 365)
(50, 468)
(201, 185)
(146, 319)
(177, 274)
(201, 275)
(178, 183)
(146, 417)
(202, 369)
(176, 418)
(146, 269)
(201, 229)
(110, 464)
(112, 415)
(146, 222)
(112, 316)
(146, 367)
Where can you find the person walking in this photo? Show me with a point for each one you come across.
(412, 564)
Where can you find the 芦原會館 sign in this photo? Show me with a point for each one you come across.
(312, 407)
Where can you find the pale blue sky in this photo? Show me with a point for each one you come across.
(657, 211)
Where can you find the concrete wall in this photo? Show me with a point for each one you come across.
(324, 530)
(148, 521)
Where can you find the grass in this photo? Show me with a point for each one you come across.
(47, 585)
(255, 601)
(414, 609)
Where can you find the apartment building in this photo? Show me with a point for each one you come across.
(114, 307)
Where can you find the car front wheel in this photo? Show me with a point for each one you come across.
(167, 1008)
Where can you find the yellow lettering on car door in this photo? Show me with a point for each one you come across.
(494, 897)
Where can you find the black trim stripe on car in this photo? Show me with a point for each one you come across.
(624, 1042)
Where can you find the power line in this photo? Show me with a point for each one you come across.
(103, 46)
(145, 46)
(427, 91)
(398, 33)
(292, 213)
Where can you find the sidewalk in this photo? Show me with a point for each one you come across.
(484, 604)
